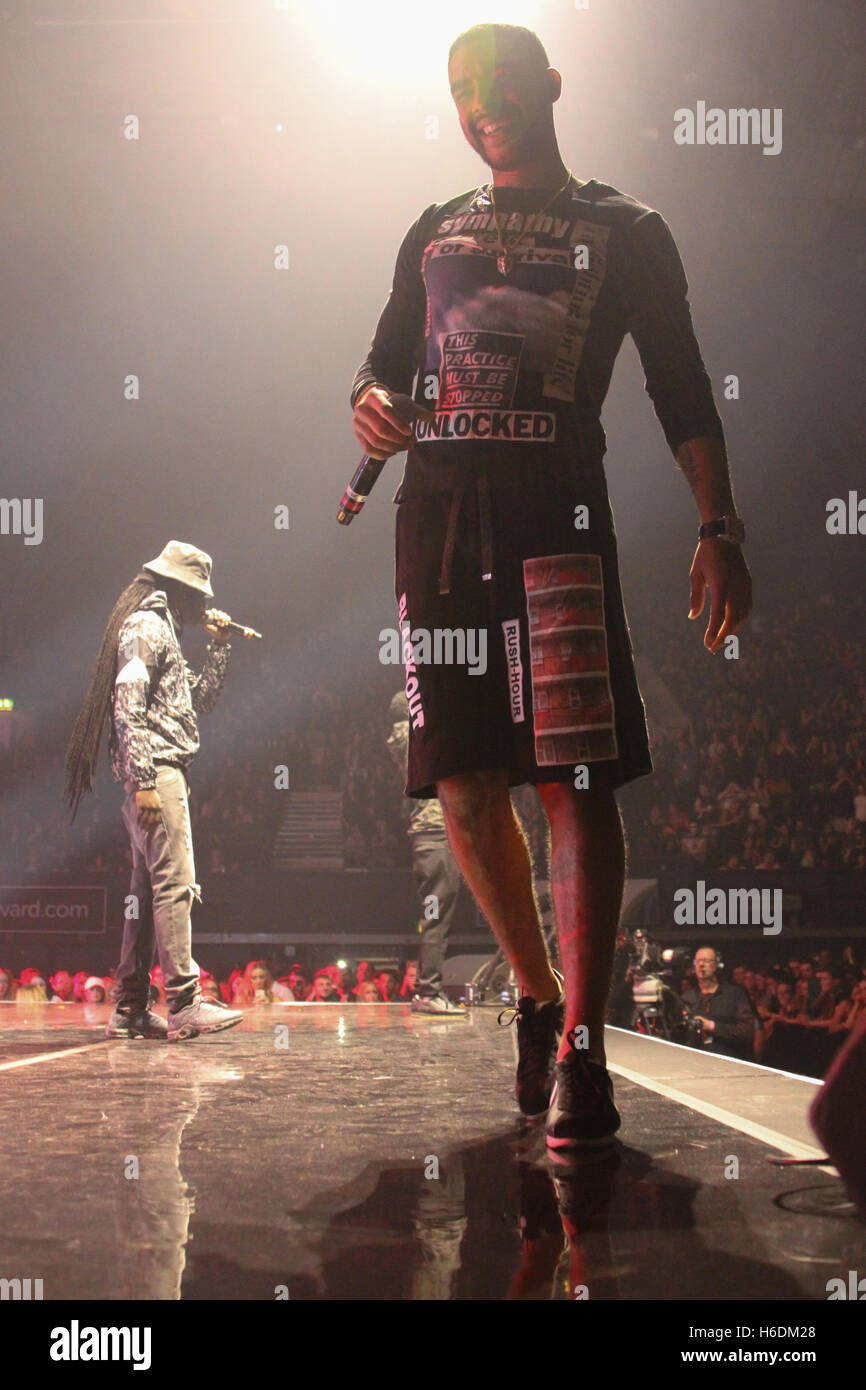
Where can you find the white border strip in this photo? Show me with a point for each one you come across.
(51, 1056)
(705, 1052)
(793, 1147)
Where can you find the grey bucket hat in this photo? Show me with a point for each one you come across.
(186, 564)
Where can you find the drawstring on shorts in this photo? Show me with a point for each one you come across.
(483, 489)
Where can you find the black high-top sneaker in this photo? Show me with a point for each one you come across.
(538, 1033)
(136, 1021)
(582, 1112)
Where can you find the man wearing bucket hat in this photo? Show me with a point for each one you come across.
(153, 697)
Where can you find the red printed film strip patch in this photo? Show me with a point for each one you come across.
(571, 693)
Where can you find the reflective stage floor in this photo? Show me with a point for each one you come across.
(363, 1152)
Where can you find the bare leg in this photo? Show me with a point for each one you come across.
(587, 867)
(490, 849)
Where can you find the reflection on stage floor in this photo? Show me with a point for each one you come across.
(334, 1152)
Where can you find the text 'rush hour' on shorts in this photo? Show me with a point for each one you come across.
(530, 670)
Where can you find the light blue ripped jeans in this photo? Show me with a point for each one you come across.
(161, 892)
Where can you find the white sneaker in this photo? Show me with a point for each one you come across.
(438, 1004)
(201, 1017)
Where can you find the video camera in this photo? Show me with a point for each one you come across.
(656, 975)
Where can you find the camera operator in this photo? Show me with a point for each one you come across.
(724, 1011)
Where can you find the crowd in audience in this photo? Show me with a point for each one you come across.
(323, 740)
(764, 770)
(255, 984)
(804, 1007)
(769, 773)
(817, 995)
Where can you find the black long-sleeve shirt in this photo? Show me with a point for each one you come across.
(517, 367)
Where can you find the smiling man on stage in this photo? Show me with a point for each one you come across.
(511, 302)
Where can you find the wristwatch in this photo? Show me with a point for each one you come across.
(726, 528)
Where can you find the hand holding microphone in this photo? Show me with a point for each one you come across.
(222, 626)
(383, 426)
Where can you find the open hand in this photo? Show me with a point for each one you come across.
(720, 567)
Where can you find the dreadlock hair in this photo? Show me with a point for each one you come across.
(83, 747)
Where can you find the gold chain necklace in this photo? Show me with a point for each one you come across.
(506, 260)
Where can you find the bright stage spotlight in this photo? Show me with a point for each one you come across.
(388, 40)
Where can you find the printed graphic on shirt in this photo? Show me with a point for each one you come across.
(559, 381)
(511, 633)
(573, 712)
(478, 369)
(413, 685)
(502, 346)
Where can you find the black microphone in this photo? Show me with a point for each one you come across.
(368, 469)
(207, 617)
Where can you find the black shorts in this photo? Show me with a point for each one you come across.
(530, 670)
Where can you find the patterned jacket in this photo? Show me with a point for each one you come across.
(422, 815)
(157, 695)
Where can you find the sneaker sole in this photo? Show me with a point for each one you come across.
(130, 1034)
(441, 1013)
(190, 1031)
(571, 1143)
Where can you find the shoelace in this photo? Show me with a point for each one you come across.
(595, 1075)
(538, 1044)
(515, 1011)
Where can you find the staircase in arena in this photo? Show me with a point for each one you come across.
(310, 834)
